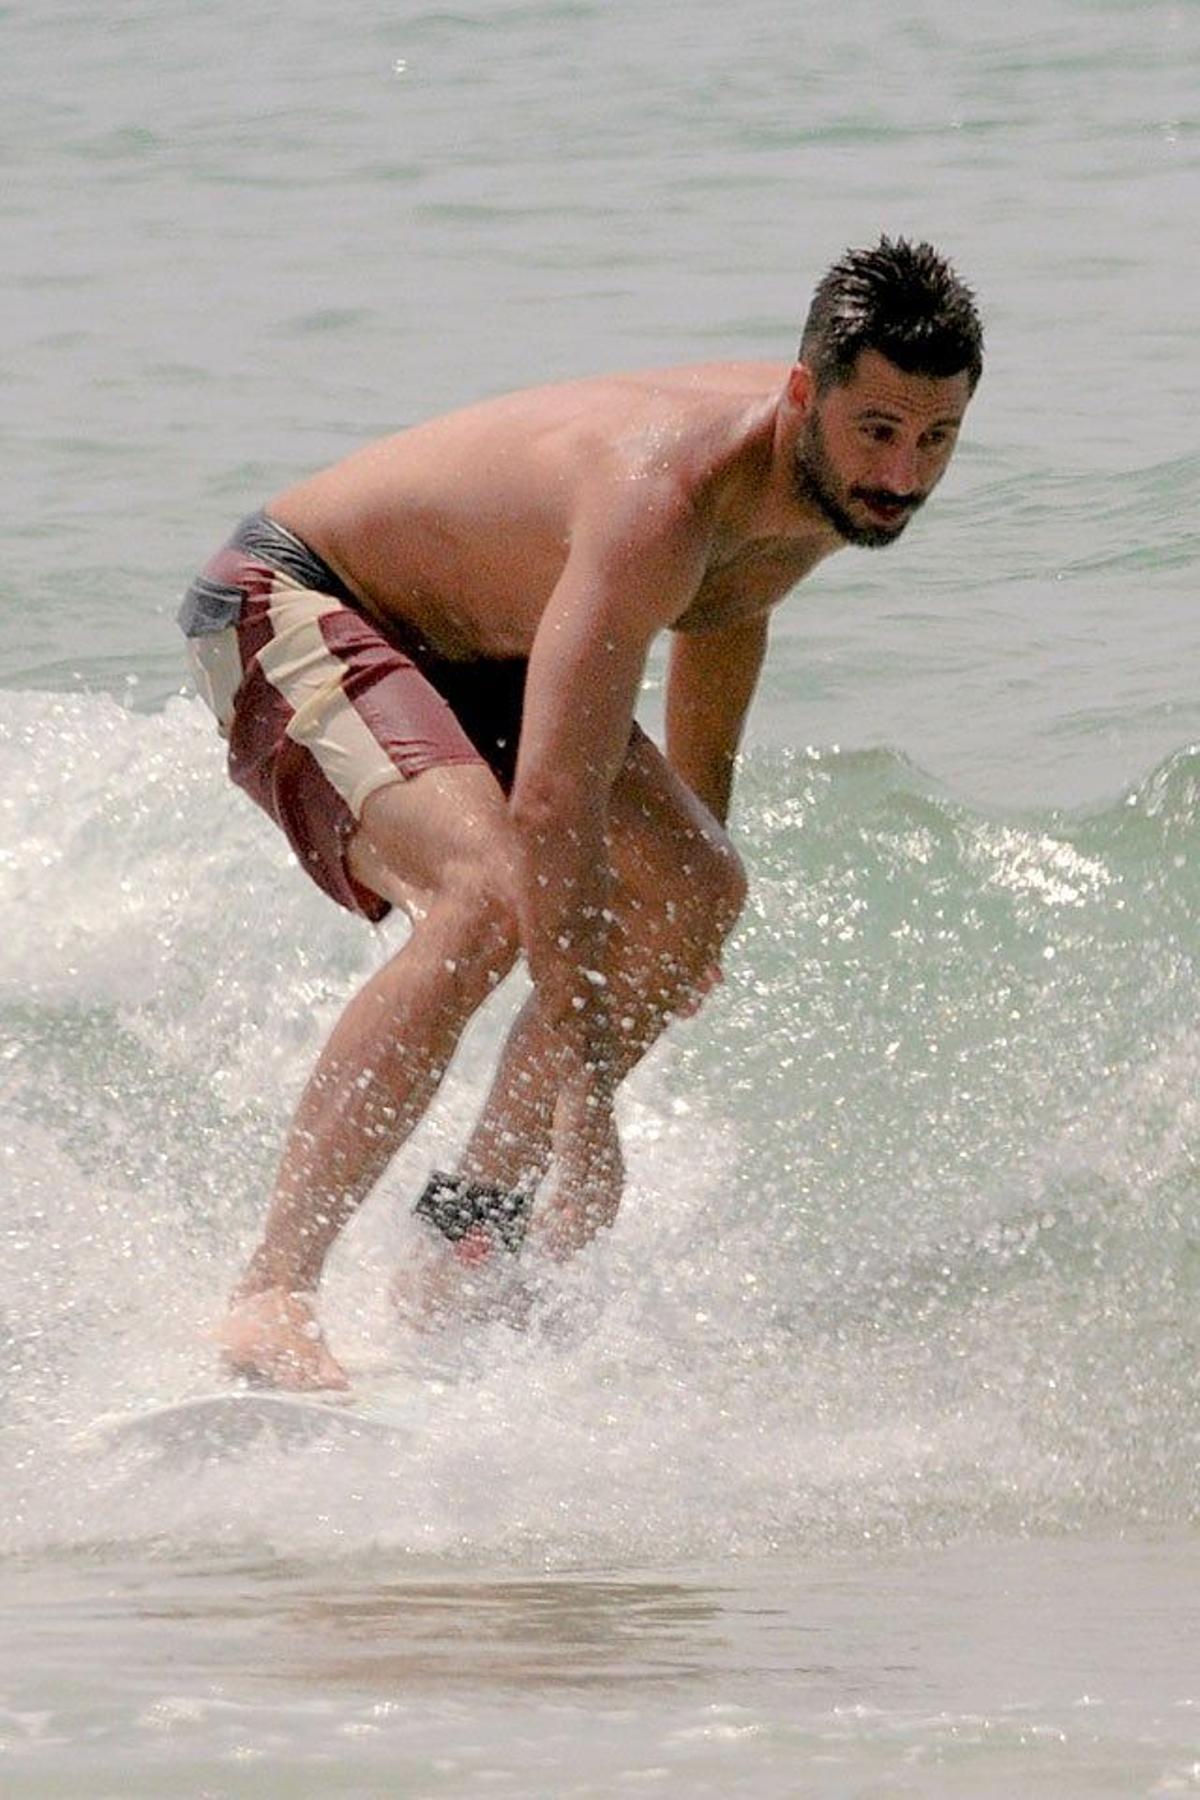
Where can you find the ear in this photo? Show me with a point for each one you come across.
(800, 387)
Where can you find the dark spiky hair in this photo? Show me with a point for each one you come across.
(901, 299)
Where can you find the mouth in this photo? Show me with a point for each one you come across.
(888, 509)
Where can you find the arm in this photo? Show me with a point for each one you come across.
(710, 682)
(629, 574)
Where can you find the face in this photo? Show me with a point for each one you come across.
(872, 451)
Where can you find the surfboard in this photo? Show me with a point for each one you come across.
(234, 1421)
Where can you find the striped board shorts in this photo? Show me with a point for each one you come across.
(321, 706)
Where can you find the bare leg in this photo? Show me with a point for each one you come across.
(385, 1057)
(679, 890)
(375, 1078)
(531, 1114)
(510, 1145)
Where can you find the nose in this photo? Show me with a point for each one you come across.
(899, 470)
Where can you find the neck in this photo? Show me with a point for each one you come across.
(760, 497)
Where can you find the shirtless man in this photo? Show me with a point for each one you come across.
(426, 661)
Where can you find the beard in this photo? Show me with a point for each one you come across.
(815, 483)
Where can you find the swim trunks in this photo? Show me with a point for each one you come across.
(322, 706)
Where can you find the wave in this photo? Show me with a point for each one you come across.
(911, 1242)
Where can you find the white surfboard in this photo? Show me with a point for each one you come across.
(236, 1420)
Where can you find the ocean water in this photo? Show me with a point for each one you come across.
(861, 1458)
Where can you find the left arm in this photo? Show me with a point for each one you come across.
(710, 682)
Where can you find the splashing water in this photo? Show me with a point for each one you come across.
(910, 1247)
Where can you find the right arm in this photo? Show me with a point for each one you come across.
(625, 579)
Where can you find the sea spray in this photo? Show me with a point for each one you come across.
(910, 1245)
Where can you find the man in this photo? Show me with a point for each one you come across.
(426, 661)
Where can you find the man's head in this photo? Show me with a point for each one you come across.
(891, 353)
(901, 299)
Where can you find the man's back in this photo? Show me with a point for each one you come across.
(461, 525)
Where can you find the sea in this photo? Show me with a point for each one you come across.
(860, 1460)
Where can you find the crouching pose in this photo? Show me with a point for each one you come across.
(426, 661)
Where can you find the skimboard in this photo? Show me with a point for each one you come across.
(233, 1421)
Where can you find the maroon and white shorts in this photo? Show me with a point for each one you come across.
(322, 707)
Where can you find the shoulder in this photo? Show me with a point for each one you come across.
(631, 504)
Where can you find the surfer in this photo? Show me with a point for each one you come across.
(426, 661)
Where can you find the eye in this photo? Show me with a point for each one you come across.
(879, 434)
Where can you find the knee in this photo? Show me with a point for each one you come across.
(477, 912)
(715, 895)
(673, 943)
(732, 885)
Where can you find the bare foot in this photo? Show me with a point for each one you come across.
(272, 1336)
(470, 1281)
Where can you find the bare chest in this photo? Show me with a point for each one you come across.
(745, 581)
